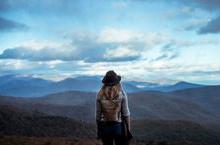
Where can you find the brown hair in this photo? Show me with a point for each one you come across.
(111, 92)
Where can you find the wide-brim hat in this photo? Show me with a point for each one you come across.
(111, 78)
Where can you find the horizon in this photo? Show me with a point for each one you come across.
(149, 41)
(100, 77)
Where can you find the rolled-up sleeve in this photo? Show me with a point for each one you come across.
(125, 109)
(98, 109)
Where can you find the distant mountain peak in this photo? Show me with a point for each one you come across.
(186, 83)
(182, 82)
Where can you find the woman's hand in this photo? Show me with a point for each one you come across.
(128, 122)
(98, 129)
(127, 132)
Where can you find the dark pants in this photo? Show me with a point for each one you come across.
(117, 140)
(111, 132)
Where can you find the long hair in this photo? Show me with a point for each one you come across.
(111, 92)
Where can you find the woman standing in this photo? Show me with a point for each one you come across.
(112, 112)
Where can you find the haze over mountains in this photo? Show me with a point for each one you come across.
(28, 86)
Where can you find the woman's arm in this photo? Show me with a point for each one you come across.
(98, 109)
(98, 116)
(125, 109)
(127, 121)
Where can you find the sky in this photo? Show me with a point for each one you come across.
(157, 41)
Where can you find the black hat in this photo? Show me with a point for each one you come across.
(111, 78)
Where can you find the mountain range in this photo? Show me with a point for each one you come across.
(189, 104)
(29, 86)
(183, 113)
(33, 126)
(15, 121)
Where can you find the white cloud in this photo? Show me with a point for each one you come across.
(15, 64)
(113, 35)
(162, 72)
(91, 46)
(121, 51)
(40, 44)
(132, 37)
(115, 44)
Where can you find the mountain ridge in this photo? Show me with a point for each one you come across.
(19, 123)
(28, 86)
(151, 104)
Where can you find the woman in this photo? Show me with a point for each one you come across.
(112, 112)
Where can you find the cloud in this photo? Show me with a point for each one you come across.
(54, 70)
(120, 52)
(183, 13)
(214, 72)
(10, 5)
(159, 71)
(45, 54)
(194, 24)
(205, 4)
(36, 67)
(212, 26)
(210, 5)
(168, 52)
(112, 44)
(57, 8)
(113, 35)
(9, 25)
(166, 56)
(84, 45)
(191, 8)
(119, 44)
(109, 45)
